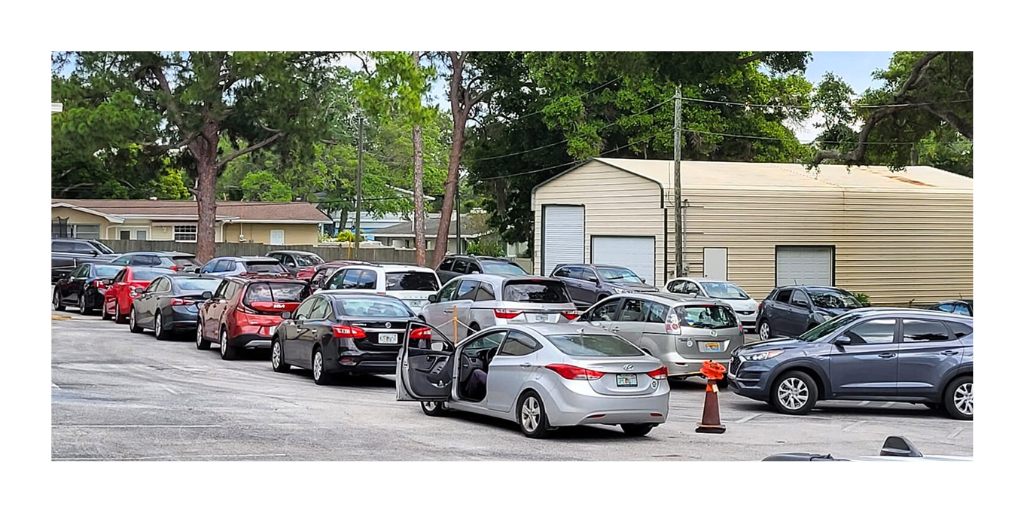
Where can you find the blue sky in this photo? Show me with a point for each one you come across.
(854, 68)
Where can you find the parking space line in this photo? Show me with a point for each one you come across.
(865, 402)
(852, 426)
(170, 390)
(54, 386)
(889, 404)
(179, 457)
(747, 418)
(135, 426)
(955, 433)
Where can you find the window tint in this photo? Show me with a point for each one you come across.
(575, 273)
(632, 311)
(349, 279)
(222, 290)
(924, 330)
(546, 292)
(502, 267)
(83, 248)
(656, 312)
(691, 287)
(834, 299)
(588, 275)
(467, 289)
(265, 267)
(675, 286)
(873, 331)
(707, 316)
(106, 271)
(320, 310)
(123, 261)
(948, 308)
(601, 345)
(318, 277)
(960, 330)
(604, 311)
(783, 295)
(518, 344)
(197, 285)
(473, 267)
(164, 286)
(619, 275)
(224, 266)
(275, 292)
(308, 260)
(446, 264)
(484, 343)
(304, 309)
(448, 291)
(961, 309)
(800, 297)
(460, 266)
(415, 281)
(371, 306)
(367, 280)
(210, 266)
(81, 271)
(60, 247)
(146, 260)
(561, 272)
(119, 278)
(147, 274)
(484, 292)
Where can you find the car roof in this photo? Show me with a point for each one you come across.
(703, 279)
(160, 270)
(176, 276)
(922, 313)
(545, 329)
(672, 298)
(266, 279)
(393, 267)
(503, 278)
(286, 251)
(341, 294)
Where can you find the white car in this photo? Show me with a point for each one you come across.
(734, 296)
(410, 284)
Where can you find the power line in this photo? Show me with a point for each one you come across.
(531, 114)
(812, 107)
(758, 137)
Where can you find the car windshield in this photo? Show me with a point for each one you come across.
(710, 316)
(308, 260)
(107, 270)
(548, 292)
(618, 275)
(502, 267)
(384, 307)
(197, 284)
(834, 299)
(104, 249)
(265, 267)
(275, 292)
(827, 328)
(724, 291)
(412, 281)
(186, 261)
(597, 345)
(147, 274)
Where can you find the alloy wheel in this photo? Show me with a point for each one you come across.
(81, 304)
(764, 331)
(963, 398)
(275, 355)
(793, 393)
(318, 365)
(157, 328)
(530, 414)
(131, 319)
(56, 300)
(199, 335)
(223, 342)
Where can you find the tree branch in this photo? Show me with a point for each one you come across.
(755, 57)
(958, 123)
(167, 147)
(248, 150)
(172, 105)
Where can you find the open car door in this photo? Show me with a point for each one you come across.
(425, 365)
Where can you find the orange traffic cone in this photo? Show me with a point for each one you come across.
(710, 422)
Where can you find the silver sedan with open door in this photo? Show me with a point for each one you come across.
(542, 376)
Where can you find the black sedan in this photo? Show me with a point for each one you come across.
(171, 304)
(341, 333)
(84, 287)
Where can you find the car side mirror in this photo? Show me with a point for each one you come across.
(802, 305)
(287, 315)
(207, 295)
(593, 280)
(843, 340)
(642, 280)
(432, 298)
(198, 270)
(475, 272)
(291, 264)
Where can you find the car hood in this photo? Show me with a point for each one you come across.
(780, 343)
(740, 303)
(836, 311)
(639, 287)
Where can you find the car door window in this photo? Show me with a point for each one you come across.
(467, 289)
(446, 264)
(84, 271)
(873, 332)
(960, 330)
(656, 312)
(783, 296)
(675, 286)
(561, 272)
(303, 310)
(575, 273)
(350, 279)
(632, 311)
(924, 330)
(604, 311)
(119, 278)
(484, 292)
(588, 275)
(961, 309)
(948, 308)
(518, 344)
(367, 280)
(446, 293)
(691, 287)
(799, 298)
(209, 266)
(320, 310)
(221, 290)
(474, 267)
(60, 247)
(460, 266)
(84, 248)
(477, 347)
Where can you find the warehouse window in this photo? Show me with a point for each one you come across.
(185, 233)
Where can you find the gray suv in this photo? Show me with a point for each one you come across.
(890, 354)
(588, 284)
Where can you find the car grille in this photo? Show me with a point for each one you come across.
(734, 365)
(744, 312)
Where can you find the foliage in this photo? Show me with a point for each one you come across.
(863, 298)
(264, 186)
(347, 236)
(486, 248)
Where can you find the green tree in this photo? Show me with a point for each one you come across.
(264, 186)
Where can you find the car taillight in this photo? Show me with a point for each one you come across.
(507, 313)
(423, 333)
(568, 371)
(100, 285)
(182, 302)
(672, 324)
(242, 308)
(659, 374)
(571, 315)
(348, 331)
(177, 268)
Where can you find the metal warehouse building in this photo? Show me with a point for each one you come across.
(897, 237)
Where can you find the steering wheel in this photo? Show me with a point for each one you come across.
(488, 356)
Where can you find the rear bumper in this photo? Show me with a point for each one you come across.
(574, 404)
(182, 318)
(250, 341)
(363, 362)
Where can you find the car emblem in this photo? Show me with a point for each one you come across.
(714, 334)
(627, 367)
(689, 343)
(387, 325)
(278, 306)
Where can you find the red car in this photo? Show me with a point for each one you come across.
(124, 287)
(244, 313)
(319, 274)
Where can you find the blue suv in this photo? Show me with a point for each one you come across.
(890, 354)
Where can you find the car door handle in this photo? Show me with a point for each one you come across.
(525, 365)
(949, 352)
(887, 355)
(449, 311)
(614, 328)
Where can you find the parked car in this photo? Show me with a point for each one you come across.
(483, 300)
(681, 332)
(460, 264)
(321, 273)
(243, 267)
(298, 263)
(341, 332)
(744, 306)
(895, 449)
(957, 307)
(792, 310)
(176, 261)
(244, 313)
(588, 284)
(410, 284)
(891, 354)
(124, 287)
(84, 287)
(542, 376)
(66, 254)
(170, 304)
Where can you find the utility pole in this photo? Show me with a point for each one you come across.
(458, 216)
(359, 185)
(678, 202)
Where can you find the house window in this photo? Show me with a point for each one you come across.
(185, 233)
(85, 231)
(140, 234)
(125, 234)
(276, 237)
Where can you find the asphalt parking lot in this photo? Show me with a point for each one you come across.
(122, 396)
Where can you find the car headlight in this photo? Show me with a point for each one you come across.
(761, 356)
(620, 290)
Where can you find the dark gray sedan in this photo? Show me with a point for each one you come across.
(170, 304)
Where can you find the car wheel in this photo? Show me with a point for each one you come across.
(764, 331)
(81, 305)
(277, 358)
(103, 312)
(133, 324)
(201, 343)
(158, 327)
(319, 375)
(226, 351)
(959, 399)
(532, 419)
(434, 408)
(794, 393)
(637, 429)
(118, 317)
(57, 306)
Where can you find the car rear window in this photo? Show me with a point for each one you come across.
(198, 284)
(502, 267)
(413, 281)
(186, 261)
(147, 274)
(275, 292)
(708, 316)
(383, 307)
(107, 270)
(547, 292)
(266, 266)
(307, 260)
(597, 345)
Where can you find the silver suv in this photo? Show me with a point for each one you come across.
(682, 332)
(483, 300)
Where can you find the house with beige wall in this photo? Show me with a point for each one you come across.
(895, 236)
(236, 221)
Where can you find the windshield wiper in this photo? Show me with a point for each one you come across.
(614, 278)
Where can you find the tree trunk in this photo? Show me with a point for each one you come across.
(419, 217)
(459, 118)
(204, 150)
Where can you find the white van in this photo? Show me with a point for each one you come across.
(408, 283)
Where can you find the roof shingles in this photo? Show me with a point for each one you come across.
(235, 210)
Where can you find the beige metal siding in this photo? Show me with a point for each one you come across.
(615, 203)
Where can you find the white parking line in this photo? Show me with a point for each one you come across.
(135, 426)
(178, 457)
(955, 433)
(170, 390)
(854, 425)
(748, 418)
(889, 404)
(54, 386)
(862, 404)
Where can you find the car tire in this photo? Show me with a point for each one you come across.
(959, 398)
(118, 317)
(794, 393)
(434, 408)
(320, 377)
(201, 343)
(277, 358)
(81, 305)
(158, 327)
(764, 330)
(530, 415)
(103, 312)
(227, 352)
(637, 429)
(57, 305)
(133, 324)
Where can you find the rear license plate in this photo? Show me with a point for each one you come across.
(624, 380)
(387, 338)
(713, 346)
(541, 318)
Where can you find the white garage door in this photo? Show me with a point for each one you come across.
(562, 236)
(806, 265)
(635, 253)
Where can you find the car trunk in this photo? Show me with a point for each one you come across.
(535, 301)
(411, 287)
(706, 331)
(382, 334)
(531, 312)
(623, 376)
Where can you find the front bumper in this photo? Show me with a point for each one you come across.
(750, 378)
(576, 403)
(749, 321)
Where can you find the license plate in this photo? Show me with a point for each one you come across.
(625, 380)
(387, 338)
(540, 318)
(713, 346)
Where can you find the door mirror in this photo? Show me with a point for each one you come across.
(198, 270)
(593, 280)
(437, 346)
(843, 340)
(207, 295)
(475, 272)
(642, 280)
(802, 304)
(432, 298)
(287, 315)
(291, 264)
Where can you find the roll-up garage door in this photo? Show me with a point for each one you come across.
(805, 265)
(633, 252)
(562, 236)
